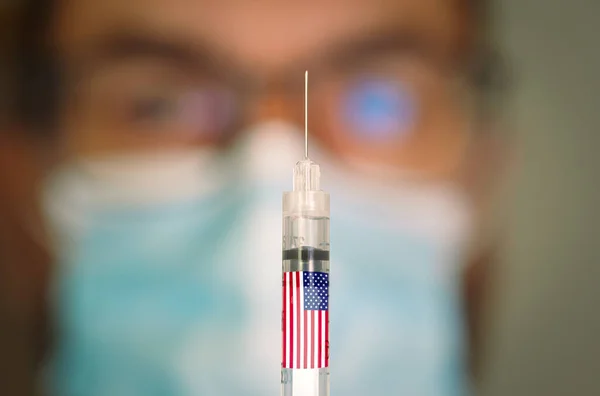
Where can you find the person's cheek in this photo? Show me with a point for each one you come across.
(24, 261)
(23, 162)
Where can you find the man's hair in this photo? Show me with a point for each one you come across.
(33, 77)
(28, 64)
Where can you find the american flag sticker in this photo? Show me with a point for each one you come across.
(305, 320)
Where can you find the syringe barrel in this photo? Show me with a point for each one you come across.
(306, 220)
(305, 295)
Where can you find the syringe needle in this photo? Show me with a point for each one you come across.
(305, 269)
(306, 115)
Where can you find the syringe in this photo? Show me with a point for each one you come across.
(305, 296)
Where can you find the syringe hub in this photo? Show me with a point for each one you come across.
(307, 176)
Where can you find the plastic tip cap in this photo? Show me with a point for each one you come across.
(307, 176)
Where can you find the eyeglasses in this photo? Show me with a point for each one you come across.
(402, 110)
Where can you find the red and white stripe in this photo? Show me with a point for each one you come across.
(305, 333)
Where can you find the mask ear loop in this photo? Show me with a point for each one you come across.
(37, 233)
(26, 218)
(488, 81)
(34, 221)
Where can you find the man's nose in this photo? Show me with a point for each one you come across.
(273, 102)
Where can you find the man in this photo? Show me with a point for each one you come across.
(171, 128)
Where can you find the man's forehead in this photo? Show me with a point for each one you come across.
(264, 33)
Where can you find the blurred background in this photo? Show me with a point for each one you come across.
(543, 334)
(542, 323)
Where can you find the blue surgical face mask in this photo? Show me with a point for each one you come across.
(169, 276)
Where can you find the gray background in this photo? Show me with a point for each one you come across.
(544, 327)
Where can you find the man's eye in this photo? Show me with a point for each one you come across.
(379, 109)
(153, 109)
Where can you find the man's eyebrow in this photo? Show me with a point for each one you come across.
(390, 42)
(124, 45)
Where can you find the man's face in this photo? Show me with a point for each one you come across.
(153, 75)
(157, 74)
